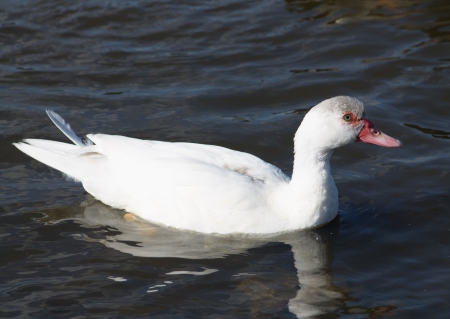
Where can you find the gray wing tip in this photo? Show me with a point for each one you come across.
(66, 129)
(55, 117)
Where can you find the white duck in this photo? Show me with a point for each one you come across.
(212, 189)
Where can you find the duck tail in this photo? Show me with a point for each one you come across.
(61, 156)
(58, 155)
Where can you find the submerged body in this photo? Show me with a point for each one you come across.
(212, 189)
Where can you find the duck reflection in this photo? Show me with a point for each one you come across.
(312, 251)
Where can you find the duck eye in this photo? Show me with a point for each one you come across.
(347, 117)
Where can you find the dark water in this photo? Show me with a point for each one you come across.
(239, 74)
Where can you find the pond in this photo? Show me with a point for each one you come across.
(242, 75)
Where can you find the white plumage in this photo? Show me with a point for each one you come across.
(209, 188)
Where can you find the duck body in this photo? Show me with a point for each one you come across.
(208, 188)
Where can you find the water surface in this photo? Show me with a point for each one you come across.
(239, 74)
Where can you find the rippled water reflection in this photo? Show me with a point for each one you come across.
(239, 74)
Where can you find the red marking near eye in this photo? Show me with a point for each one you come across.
(354, 119)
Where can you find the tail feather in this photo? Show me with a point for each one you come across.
(56, 158)
(66, 129)
(51, 145)
(61, 156)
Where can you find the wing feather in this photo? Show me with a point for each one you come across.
(188, 185)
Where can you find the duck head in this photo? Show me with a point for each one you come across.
(339, 121)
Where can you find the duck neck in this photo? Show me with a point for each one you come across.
(312, 153)
(310, 162)
(311, 197)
